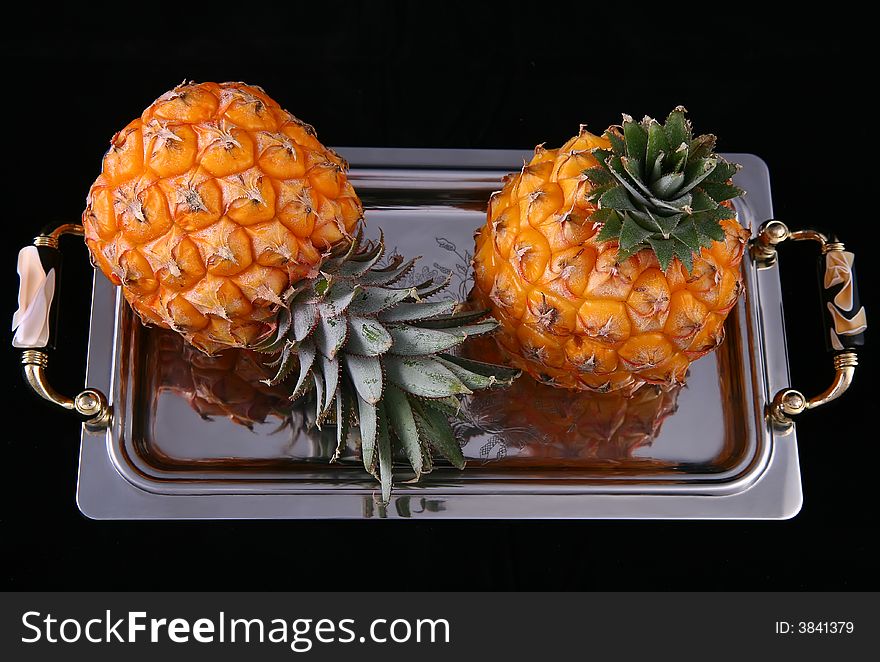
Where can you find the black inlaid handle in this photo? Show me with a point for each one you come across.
(51, 260)
(36, 325)
(845, 319)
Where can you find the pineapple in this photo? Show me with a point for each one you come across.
(613, 261)
(210, 205)
(223, 218)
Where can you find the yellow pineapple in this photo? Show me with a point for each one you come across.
(613, 261)
(210, 205)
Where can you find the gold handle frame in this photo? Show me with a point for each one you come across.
(791, 402)
(90, 403)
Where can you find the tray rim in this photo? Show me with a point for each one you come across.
(104, 493)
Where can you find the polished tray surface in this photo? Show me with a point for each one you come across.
(704, 451)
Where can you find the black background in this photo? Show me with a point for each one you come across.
(455, 74)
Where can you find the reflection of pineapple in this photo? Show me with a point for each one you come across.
(210, 205)
(613, 261)
(230, 384)
(233, 385)
(554, 426)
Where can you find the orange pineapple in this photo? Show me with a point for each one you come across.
(210, 205)
(222, 217)
(613, 261)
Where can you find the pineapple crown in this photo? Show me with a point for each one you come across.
(380, 354)
(661, 189)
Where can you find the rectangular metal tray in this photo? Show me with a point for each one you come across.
(714, 457)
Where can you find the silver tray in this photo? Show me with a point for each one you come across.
(716, 457)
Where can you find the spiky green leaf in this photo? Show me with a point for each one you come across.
(367, 336)
(663, 249)
(602, 215)
(403, 425)
(365, 373)
(686, 232)
(343, 425)
(646, 220)
(611, 228)
(429, 289)
(616, 198)
(657, 168)
(503, 375)
(306, 353)
(677, 159)
(721, 191)
(330, 335)
(472, 380)
(702, 146)
(449, 407)
(416, 341)
(656, 147)
(618, 146)
(305, 319)
(455, 320)
(633, 168)
(684, 253)
(668, 185)
(330, 369)
(632, 234)
(701, 202)
(368, 425)
(336, 300)
(639, 197)
(598, 176)
(423, 376)
(636, 140)
(708, 227)
(668, 224)
(285, 364)
(696, 171)
(318, 382)
(676, 128)
(383, 441)
(387, 277)
(439, 433)
(370, 300)
(595, 193)
(723, 172)
(366, 261)
(416, 312)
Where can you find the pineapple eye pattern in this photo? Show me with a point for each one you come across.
(233, 129)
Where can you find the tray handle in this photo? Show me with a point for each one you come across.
(845, 319)
(36, 325)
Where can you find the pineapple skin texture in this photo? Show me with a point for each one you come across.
(570, 315)
(210, 205)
